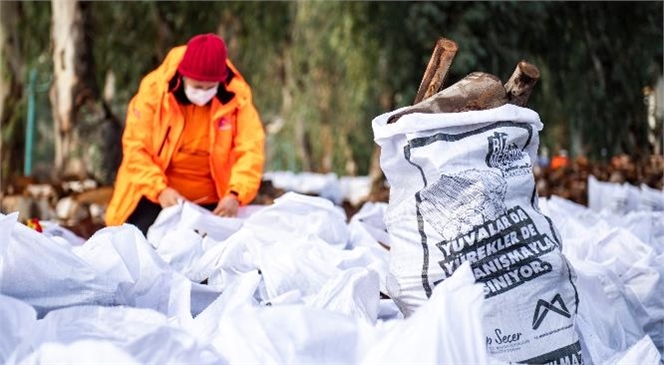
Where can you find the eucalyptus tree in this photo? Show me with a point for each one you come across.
(330, 76)
(85, 127)
(605, 54)
(24, 47)
(11, 87)
(320, 71)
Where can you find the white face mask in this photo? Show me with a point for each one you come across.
(198, 96)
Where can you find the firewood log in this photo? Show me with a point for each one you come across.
(477, 91)
(437, 69)
(520, 85)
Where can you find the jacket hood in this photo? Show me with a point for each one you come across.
(168, 77)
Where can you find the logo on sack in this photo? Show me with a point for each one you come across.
(501, 154)
(540, 314)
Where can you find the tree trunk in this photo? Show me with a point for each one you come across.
(379, 192)
(10, 53)
(288, 94)
(90, 148)
(327, 144)
(67, 38)
(305, 150)
(350, 165)
(163, 31)
(11, 91)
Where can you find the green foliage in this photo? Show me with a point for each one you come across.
(325, 69)
(29, 34)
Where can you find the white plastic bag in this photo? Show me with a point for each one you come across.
(297, 215)
(326, 186)
(353, 292)
(182, 249)
(606, 322)
(355, 189)
(651, 199)
(303, 264)
(56, 231)
(187, 215)
(82, 352)
(125, 259)
(370, 219)
(143, 334)
(643, 352)
(445, 330)
(613, 197)
(18, 319)
(46, 274)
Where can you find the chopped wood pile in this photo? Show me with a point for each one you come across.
(79, 205)
(571, 181)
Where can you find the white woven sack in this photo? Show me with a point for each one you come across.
(462, 189)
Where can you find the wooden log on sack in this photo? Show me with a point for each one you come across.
(520, 85)
(437, 69)
(477, 91)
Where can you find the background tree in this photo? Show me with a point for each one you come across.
(87, 132)
(321, 71)
(11, 89)
(20, 54)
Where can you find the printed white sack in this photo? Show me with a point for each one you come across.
(462, 189)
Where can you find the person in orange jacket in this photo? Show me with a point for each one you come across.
(192, 133)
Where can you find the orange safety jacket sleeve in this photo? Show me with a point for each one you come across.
(248, 152)
(137, 144)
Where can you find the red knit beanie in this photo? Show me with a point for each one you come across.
(204, 59)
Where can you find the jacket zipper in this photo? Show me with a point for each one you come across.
(163, 142)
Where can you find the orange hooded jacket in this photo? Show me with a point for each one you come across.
(154, 125)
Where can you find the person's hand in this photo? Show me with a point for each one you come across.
(227, 206)
(169, 197)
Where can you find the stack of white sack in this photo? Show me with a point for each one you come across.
(621, 199)
(620, 267)
(293, 284)
(337, 189)
(324, 185)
